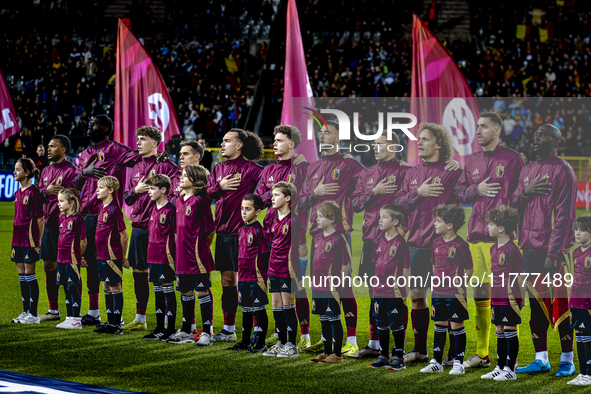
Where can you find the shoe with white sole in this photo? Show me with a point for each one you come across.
(507, 374)
(63, 324)
(477, 362)
(30, 319)
(289, 350)
(17, 320)
(181, 337)
(75, 323)
(433, 367)
(492, 374)
(205, 339)
(50, 316)
(457, 369)
(575, 381)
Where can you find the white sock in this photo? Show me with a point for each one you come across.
(94, 312)
(352, 340)
(140, 318)
(229, 328)
(54, 311)
(542, 356)
(567, 357)
(193, 327)
(374, 344)
(307, 336)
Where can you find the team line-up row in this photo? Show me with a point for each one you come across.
(74, 216)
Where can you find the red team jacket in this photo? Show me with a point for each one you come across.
(228, 219)
(420, 209)
(64, 174)
(334, 169)
(547, 220)
(502, 165)
(364, 199)
(141, 203)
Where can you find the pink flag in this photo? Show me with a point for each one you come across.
(435, 75)
(141, 97)
(8, 120)
(297, 84)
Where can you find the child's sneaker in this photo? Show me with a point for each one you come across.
(274, 350)
(492, 374)
(255, 349)
(50, 316)
(575, 381)
(63, 324)
(239, 346)
(318, 359)
(448, 361)
(289, 350)
(381, 362)
(17, 320)
(205, 340)
(225, 336)
(458, 369)
(74, 323)
(30, 319)
(507, 374)
(114, 330)
(181, 337)
(397, 364)
(167, 333)
(332, 359)
(154, 335)
(433, 366)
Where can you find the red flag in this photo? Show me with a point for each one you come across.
(8, 120)
(435, 74)
(141, 97)
(297, 84)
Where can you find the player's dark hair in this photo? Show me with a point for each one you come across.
(109, 182)
(333, 123)
(253, 148)
(30, 168)
(442, 138)
(197, 175)
(395, 140)
(73, 196)
(65, 141)
(493, 117)
(150, 132)
(503, 216)
(291, 132)
(257, 201)
(583, 223)
(195, 147)
(160, 181)
(395, 212)
(451, 213)
(105, 122)
(331, 211)
(287, 189)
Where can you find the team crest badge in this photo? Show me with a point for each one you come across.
(152, 173)
(250, 239)
(26, 200)
(188, 210)
(238, 176)
(59, 180)
(162, 218)
(500, 171)
(105, 216)
(392, 179)
(436, 181)
(100, 156)
(452, 252)
(376, 307)
(285, 229)
(291, 178)
(336, 173)
(502, 259)
(587, 263)
(392, 250)
(70, 225)
(328, 246)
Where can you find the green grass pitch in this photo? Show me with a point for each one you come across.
(130, 363)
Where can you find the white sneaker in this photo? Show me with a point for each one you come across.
(507, 374)
(492, 374)
(433, 366)
(30, 319)
(289, 350)
(63, 324)
(17, 320)
(204, 340)
(180, 337)
(74, 323)
(274, 350)
(575, 381)
(585, 381)
(457, 369)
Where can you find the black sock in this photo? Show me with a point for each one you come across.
(326, 334)
(460, 344)
(160, 304)
(117, 307)
(292, 322)
(512, 347)
(501, 350)
(170, 296)
(337, 334)
(25, 293)
(263, 319)
(384, 334)
(205, 308)
(452, 342)
(581, 354)
(75, 299)
(188, 312)
(439, 339)
(281, 323)
(68, 301)
(587, 341)
(109, 306)
(34, 293)
(398, 334)
(247, 323)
